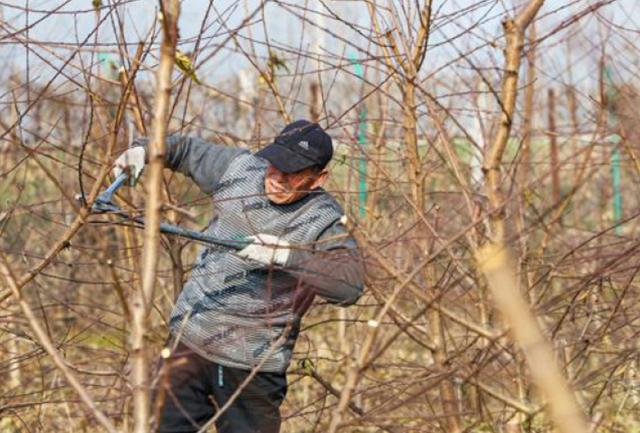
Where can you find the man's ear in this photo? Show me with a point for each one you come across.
(320, 179)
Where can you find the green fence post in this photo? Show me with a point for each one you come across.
(616, 177)
(362, 140)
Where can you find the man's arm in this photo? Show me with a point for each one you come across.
(334, 269)
(203, 162)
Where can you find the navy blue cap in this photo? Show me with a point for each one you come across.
(299, 145)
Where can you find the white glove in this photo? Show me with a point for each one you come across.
(131, 159)
(266, 249)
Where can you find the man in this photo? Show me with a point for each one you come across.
(241, 309)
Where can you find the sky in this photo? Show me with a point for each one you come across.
(53, 28)
(73, 20)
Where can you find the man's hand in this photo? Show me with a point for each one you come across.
(131, 159)
(267, 249)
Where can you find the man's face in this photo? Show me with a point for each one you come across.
(283, 188)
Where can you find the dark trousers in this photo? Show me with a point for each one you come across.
(195, 388)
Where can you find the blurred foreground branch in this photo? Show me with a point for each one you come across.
(564, 410)
(143, 298)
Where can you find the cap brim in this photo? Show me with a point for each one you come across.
(284, 159)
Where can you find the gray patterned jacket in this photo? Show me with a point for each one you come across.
(237, 312)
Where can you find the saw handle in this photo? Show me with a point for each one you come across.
(103, 202)
(117, 183)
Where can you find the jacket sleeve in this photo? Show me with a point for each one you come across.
(333, 268)
(203, 162)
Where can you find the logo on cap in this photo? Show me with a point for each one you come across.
(304, 145)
